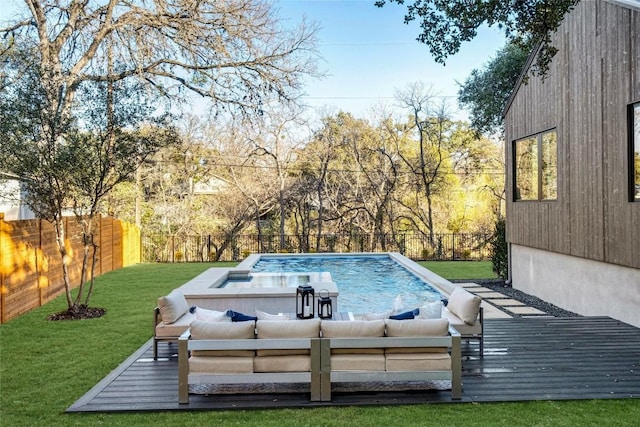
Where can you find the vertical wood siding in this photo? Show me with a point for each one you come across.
(31, 268)
(593, 78)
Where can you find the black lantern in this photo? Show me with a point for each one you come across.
(304, 301)
(325, 310)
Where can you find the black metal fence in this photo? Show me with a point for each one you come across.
(220, 247)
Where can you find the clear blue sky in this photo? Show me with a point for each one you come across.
(369, 52)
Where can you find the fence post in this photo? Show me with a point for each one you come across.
(453, 246)
(2, 272)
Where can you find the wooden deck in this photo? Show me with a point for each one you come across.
(525, 359)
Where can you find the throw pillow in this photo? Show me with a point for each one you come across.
(239, 317)
(377, 316)
(261, 315)
(431, 310)
(172, 306)
(407, 315)
(465, 305)
(207, 315)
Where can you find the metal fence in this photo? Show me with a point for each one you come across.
(220, 247)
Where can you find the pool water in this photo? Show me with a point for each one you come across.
(268, 280)
(367, 284)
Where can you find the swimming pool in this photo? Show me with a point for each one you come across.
(366, 283)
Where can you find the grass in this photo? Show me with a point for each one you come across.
(461, 269)
(46, 366)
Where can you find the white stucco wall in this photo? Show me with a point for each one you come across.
(11, 201)
(586, 287)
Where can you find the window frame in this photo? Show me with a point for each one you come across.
(634, 195)
(539, 137)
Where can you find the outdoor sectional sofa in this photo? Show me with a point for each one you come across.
(318, 353)
(172, 317)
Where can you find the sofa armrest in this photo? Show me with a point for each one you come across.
(183, 366)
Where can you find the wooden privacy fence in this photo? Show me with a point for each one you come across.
(31, 267)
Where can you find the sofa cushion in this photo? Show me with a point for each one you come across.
(172, 306)
(211, 315)
(352, 329)
(357, 362)
(465, 305)
(417, 328)
(418, 362)
(277, 329)
(221, 365)
(459, 325)
(306, 328)
(430, 310)
(283, 363)
(222, 330)
(201, 330)
(175, 329)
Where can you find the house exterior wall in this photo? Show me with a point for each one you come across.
(591, 288)
(593, 78)
(11, 196)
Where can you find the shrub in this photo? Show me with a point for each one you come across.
(498, 250)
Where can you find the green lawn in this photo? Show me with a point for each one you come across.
(46, 366)
(461, 269)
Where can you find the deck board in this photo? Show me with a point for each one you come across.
(525, 359)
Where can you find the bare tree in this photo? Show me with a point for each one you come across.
(276, 140)
(429, 119)
(232, 52)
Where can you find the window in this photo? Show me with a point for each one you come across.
(634, 152)
(535, 167)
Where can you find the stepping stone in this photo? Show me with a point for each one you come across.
(476, 289)
(468, 285)
(524, 310)
(506, 302)
(491, 294)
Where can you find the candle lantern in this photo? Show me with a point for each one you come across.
(304, 301)
(325, 310)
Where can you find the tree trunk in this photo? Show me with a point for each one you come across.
(62, 249)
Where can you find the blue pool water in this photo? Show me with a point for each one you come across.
(366, 284)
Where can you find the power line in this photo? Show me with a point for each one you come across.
(337, 170)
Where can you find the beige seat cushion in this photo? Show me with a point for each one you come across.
(460, 326)
(290, 363)
(172, 306)
(278, 329)
(175, 329)
(221, 365)
(418, 362)
(201, 330)
(307, 328)
(417, 328)
(357, 362)
(354, 329)
(465, 305)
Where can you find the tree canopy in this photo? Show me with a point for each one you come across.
(87, 88)
(446, 24)
(486, 91)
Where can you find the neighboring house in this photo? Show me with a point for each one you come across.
(573, 167)
(11, 199)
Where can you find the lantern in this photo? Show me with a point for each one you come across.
(325, 311)
(304, 301)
